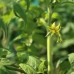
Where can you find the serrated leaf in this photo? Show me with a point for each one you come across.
(33, 62)
(27, 68)
(41, 67)
(30, 67)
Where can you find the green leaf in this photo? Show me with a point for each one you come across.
(27, 68)
(63, 65)
(23, 57)
(28, 3)
(71, 58)
(72, 73)
(71, 70)
(2, 71)
(8, 17)
(28, 41)
(68, 42)
(33, 62)
(60, 61)
(1, 52)
(5, 61)
(30, 67)
(19, 11)
(41, 67)
(1, 23)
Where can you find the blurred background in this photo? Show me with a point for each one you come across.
(22, 36)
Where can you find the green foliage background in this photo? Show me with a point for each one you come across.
(23, 41)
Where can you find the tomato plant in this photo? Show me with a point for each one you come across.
(36, 36)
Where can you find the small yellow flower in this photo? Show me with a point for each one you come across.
(55, 29)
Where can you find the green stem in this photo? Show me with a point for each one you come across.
(49, 55)
(49, 50)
